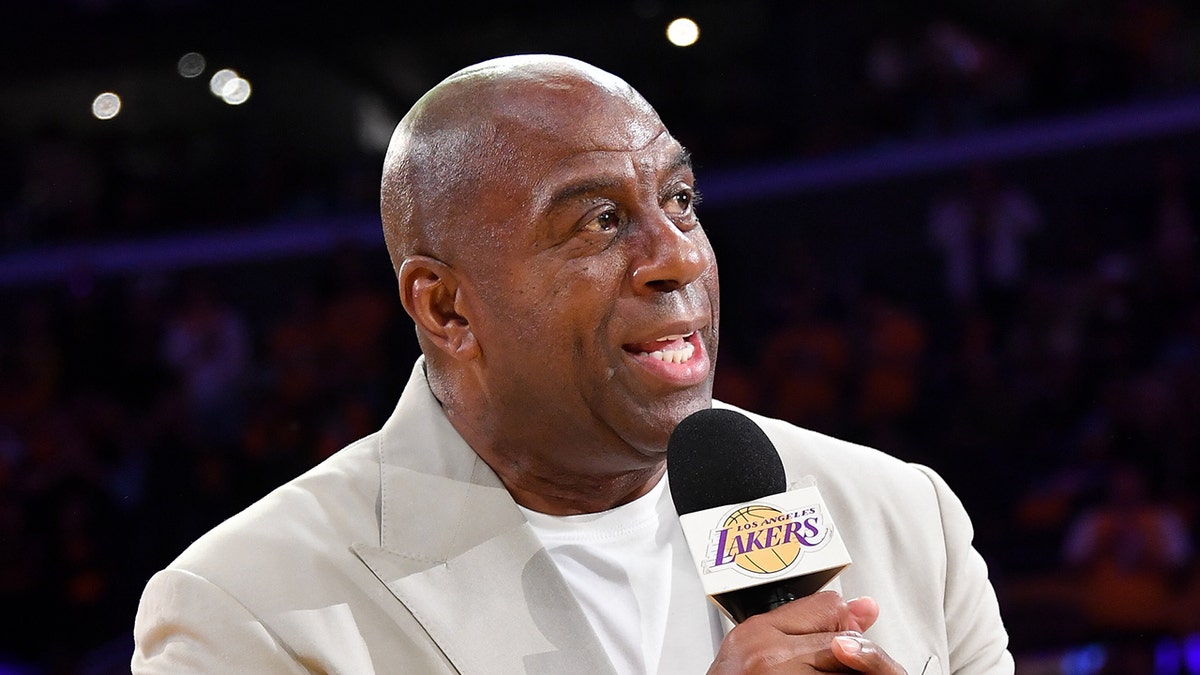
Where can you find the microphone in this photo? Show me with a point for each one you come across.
(756, 544)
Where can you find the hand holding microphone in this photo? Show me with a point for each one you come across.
(763, 552)
(820, 633)
(756, 544)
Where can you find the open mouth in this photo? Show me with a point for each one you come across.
(668, 348)
(673, 361)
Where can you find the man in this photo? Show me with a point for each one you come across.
(511, 515)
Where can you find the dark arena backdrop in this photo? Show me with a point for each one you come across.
(963, 232)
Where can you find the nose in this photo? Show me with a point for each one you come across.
(669, 256)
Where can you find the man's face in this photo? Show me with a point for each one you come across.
(596, 288)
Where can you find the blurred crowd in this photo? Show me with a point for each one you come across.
(1050, 371)
(136, 414)
(807, 79)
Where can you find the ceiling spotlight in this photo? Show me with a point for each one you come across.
(106, 106)
(683, 32)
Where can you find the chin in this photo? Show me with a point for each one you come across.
(653, 427)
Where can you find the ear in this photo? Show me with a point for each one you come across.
(432, 294)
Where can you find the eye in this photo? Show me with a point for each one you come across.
(605, 221)
(681, 203)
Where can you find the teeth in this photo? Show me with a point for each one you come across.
(673, 355)
(668, 338)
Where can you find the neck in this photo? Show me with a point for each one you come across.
(578, 474)
(568, 496)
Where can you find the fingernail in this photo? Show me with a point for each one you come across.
(849, 645)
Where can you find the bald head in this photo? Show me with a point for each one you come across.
(485, 121)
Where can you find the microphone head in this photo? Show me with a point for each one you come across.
(720, 457)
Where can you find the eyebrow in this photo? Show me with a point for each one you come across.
(682, 159)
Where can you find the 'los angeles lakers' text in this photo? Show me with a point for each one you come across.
(761, 539)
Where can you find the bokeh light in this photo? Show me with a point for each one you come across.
(191, 64)
(106, 106)
(235, 91)
(216, 84)
(683, 32)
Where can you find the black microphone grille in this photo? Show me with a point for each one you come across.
(719, 457)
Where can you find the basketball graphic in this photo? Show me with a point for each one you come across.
(750, 521)
(784, 536)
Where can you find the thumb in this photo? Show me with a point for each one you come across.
(863, 613)
(864, 656)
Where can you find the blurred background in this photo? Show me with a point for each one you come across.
(962, 232)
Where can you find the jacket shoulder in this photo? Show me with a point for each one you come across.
(830, 460)
(320, 513)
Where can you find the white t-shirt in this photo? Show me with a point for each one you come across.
(632, 574)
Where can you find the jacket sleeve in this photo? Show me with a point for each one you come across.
(977, 640)
(186, 624)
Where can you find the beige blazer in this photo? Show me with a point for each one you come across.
(403, 553)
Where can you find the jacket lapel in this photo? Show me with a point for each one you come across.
(456, 551)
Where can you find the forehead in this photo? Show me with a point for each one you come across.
(563, 116)
(542, 140)
(558, 135)
(610, 170)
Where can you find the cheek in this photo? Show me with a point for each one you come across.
(591, 293)
(713, 286)
(599, 277)
(552, 310)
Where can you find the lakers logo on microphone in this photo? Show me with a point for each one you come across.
(762, 540)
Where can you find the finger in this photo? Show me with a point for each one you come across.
(795, 655)
(790, 655)
(820, 660)
(824, 612)
(863, 655)
(863, 613)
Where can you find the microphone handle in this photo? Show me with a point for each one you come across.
(746, 602)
